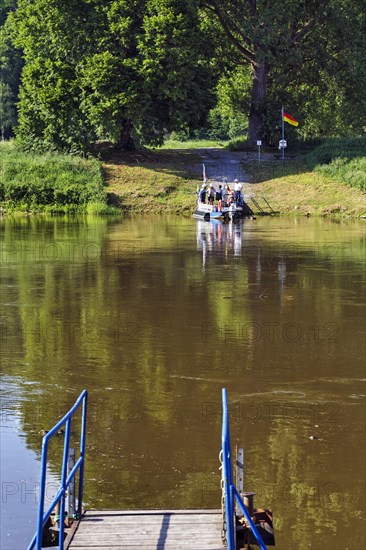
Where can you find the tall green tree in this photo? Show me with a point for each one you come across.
(54, 36)
(7, 109)
(233, 99)
(5, 7)
(329, 86)
(289, 44)
(109, 68)
(10, 70)
(177, 66)
(98, 69)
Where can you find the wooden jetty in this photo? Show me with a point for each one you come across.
(147, 530)
(65, 523)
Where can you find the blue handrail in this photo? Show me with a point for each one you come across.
(230, 491)
(227, 473)
(65, 479)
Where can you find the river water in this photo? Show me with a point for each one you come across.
(154, 316)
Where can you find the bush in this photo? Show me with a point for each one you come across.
(180, 135)
(217, 127)
(342, 160)
(337, 148)
(238, 126)
(352, 172)
(49, 181)
(238, 144)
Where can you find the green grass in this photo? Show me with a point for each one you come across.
(192, 144)
(341, 160)
(152, 181)
(293, 188)
(166, 181)
(352, 172)
(49, 182)
(237, 144)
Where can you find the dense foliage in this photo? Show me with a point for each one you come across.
(342, 160)
(10, 70)
(128, 70)
(52, 182)
(98, 69)
(306, 55)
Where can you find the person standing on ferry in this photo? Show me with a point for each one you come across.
(211, 194)
(225, 194)
(219, 197)
(203, 194)
(237, 188)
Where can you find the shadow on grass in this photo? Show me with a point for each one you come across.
(340, 160)
(187, 164)
(293, 170)
(113, 199)
(182, 163)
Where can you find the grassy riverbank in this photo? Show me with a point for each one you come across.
(152, 181)
(330, 180)
(341, 160)
(293, 188)
(166, 180)
(50, 183)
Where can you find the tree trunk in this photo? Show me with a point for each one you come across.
(258, 103)
(126, 142)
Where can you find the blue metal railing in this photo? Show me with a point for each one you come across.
(60, 496)
(230, 491)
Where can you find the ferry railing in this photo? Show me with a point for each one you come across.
(230, 491)
(66, 479)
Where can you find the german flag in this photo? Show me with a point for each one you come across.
(290, 119)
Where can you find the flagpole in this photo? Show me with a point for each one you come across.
(283, 134)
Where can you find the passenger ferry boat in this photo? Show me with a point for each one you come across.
(232, 210)
(209, 212)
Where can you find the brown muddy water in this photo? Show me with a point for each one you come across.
(154, 316)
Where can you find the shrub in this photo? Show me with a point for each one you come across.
(50, 180)
(342, 160)
(237, 144)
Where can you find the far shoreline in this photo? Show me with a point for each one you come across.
(166, 181)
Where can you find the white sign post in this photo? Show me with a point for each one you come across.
(259, 143)
(282, 141)
(282, 144)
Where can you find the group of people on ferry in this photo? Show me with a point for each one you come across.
(223, 195)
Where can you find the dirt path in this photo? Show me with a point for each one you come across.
(221, 164)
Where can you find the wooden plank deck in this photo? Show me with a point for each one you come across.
(148, 529)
